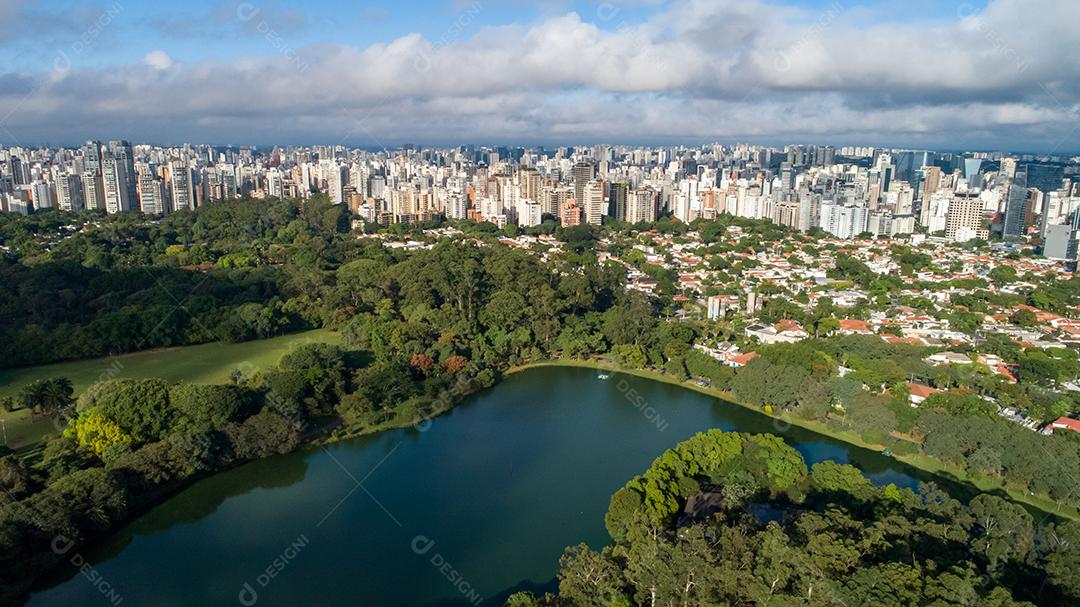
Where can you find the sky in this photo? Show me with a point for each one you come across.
(944, 74)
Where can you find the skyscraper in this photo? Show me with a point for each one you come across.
(92, 156)
(41, 194)
(618, 200)
(595, 203)
(1044, 177)
(1016, 207)
(965, 219)
(69, 192)
(114, 182)
(584, 172)
(152, 198)
(93, 192)
(529, 181)
(641, 206)
(121, 150)
(180, 186)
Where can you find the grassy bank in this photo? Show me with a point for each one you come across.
(201, 364)
(922, 462)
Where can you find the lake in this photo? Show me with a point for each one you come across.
(464, 510)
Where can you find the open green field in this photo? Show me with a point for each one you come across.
(19, 430)
(204, 364)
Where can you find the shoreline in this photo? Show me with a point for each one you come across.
(920, 461)
(315, 441)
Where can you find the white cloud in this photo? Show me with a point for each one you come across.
(158, 59)
(700, 70)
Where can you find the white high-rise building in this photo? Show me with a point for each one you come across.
(457, 207)
(275, 183)
(181, 191)
(641, 206)
(336, 177)
(152, 200)
(41, 194)
(595, 203)
(966, 219)
(114, 182)
(529, 213)
(93, 192)
(69, 192)
(844, 221)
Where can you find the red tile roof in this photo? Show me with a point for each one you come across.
(852, 324)
(921, 390)
(1063, 423)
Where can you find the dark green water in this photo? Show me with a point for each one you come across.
(500, 486)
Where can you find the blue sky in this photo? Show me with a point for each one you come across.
(192, 31)
(1002, 74)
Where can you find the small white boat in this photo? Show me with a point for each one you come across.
(603, 376)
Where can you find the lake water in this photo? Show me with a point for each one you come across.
(478, 504)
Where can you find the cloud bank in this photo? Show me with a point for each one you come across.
(1004, 77)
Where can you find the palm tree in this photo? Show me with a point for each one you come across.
(57, 396)
(47, 396)
(30, 396)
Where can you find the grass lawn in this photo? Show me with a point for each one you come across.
(203, 364)
(21, 432)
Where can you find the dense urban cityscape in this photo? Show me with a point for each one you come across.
(846, 193)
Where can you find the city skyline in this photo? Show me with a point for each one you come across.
(939, 76)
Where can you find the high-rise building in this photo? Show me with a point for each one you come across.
(528, 213)
(41, 194)
(275, 183)
(529, 181)
(571, 214)
(844, 221)
(1008, 168)
(152, 199)
(181, 182)
(114, 182)
(336, 177)
(121, 150)
(966, 219)
(584, 172)
(1060, 242)
(618, 198)
(1016, 207)
(1044, 177)
(69, 192)
(641, 206)
(93, 191)
(594, 202)
(91, 156)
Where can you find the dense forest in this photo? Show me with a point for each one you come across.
(736, 519)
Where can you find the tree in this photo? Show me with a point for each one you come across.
(95, 431)
(965, 322)
(210, 407)
(140, 408)
(587, 579)
(1024, 318)
(47, 396)
(1003, 531)
(1003, 274)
